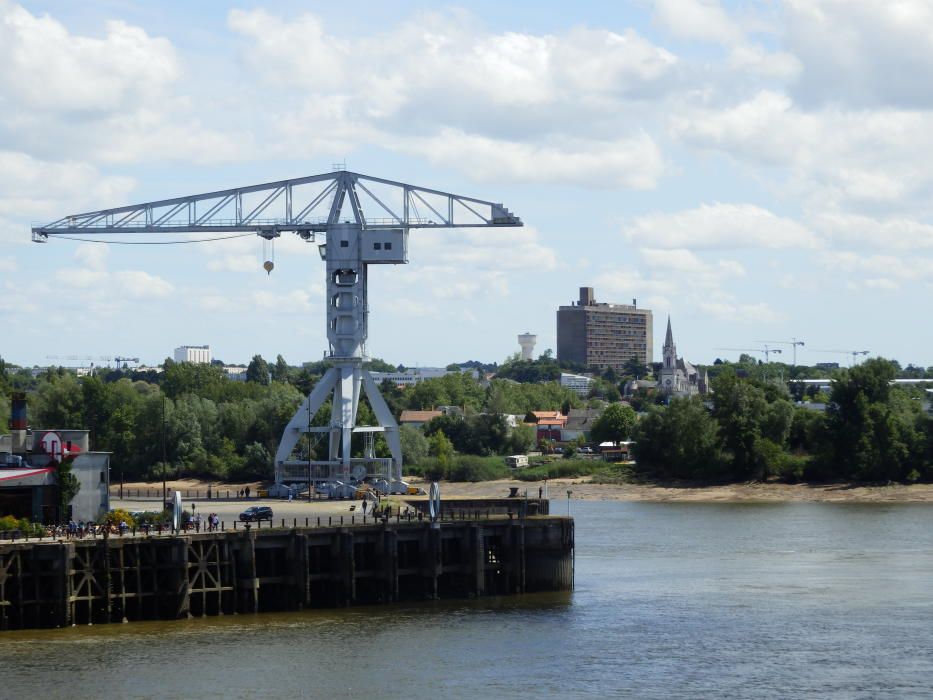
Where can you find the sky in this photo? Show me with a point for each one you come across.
(759, 171)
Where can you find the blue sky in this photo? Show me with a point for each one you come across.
(758, 170)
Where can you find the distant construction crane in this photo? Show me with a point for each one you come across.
(766, 351)
(853, 353)
(81, 358)
(793, 341)
(124, 360)
(364, 221)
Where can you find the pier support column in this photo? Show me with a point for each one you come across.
(346, 565)
(389, 564)
(247, 582)
(478, 561)
(182, 584)
(63, 612)
(298, 566)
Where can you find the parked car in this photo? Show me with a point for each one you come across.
(256, 513)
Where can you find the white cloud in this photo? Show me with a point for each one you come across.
(862, 53)
(754, 59)
(704, 20)
(504, 105)
(482, 250)
(138, 284)
(92, 256)
(878, 271)
(291, 302)
(719, 225)
(45, 67)
(634, 163)
(33, 187)
(831, 157)
(733, 312)
(891, 234)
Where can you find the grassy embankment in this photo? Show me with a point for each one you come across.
(472, 468)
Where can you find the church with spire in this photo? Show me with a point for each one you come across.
(679, 377)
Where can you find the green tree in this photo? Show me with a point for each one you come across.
(280, 370)
(257, 461)
(615, 424)
(60, 402)
(414, 444)
(873, 428)
(679, 441)
(521, 439)
(258, 371)
(442, 450)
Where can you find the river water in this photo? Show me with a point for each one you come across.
(672, 600)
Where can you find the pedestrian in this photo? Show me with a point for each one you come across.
(540, 492)
(364, 506)
(247, 492)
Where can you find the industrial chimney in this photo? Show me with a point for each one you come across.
(18, 423)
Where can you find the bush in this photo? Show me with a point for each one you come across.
(472, 468)
(563, 469)
(792, 468)
(117, 515)
(24, 525)
(432, 469)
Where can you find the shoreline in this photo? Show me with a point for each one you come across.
(583, 489)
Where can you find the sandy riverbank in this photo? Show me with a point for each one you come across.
(583, 489)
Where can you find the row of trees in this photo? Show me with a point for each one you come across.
(872, 431)
(217, 427)
(214, 426)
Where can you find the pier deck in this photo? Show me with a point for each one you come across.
(161, 577)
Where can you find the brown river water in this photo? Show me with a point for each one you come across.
(672, 600)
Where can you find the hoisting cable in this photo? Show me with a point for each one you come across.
(69, 237)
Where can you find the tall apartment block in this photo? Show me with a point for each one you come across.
(604, 335)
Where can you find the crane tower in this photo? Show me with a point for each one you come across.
(363, 221)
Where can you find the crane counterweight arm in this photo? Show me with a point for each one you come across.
(304, 205)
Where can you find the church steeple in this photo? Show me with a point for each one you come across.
(670, 350)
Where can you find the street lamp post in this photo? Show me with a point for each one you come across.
(163, 451)
(569, 493)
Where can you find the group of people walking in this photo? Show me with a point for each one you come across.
(211, 522)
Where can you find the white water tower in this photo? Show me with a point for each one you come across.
(527, 341)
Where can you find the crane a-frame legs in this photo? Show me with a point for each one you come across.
(342, 384)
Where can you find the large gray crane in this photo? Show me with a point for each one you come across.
(364, 221)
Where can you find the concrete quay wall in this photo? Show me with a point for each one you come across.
(120, 579)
